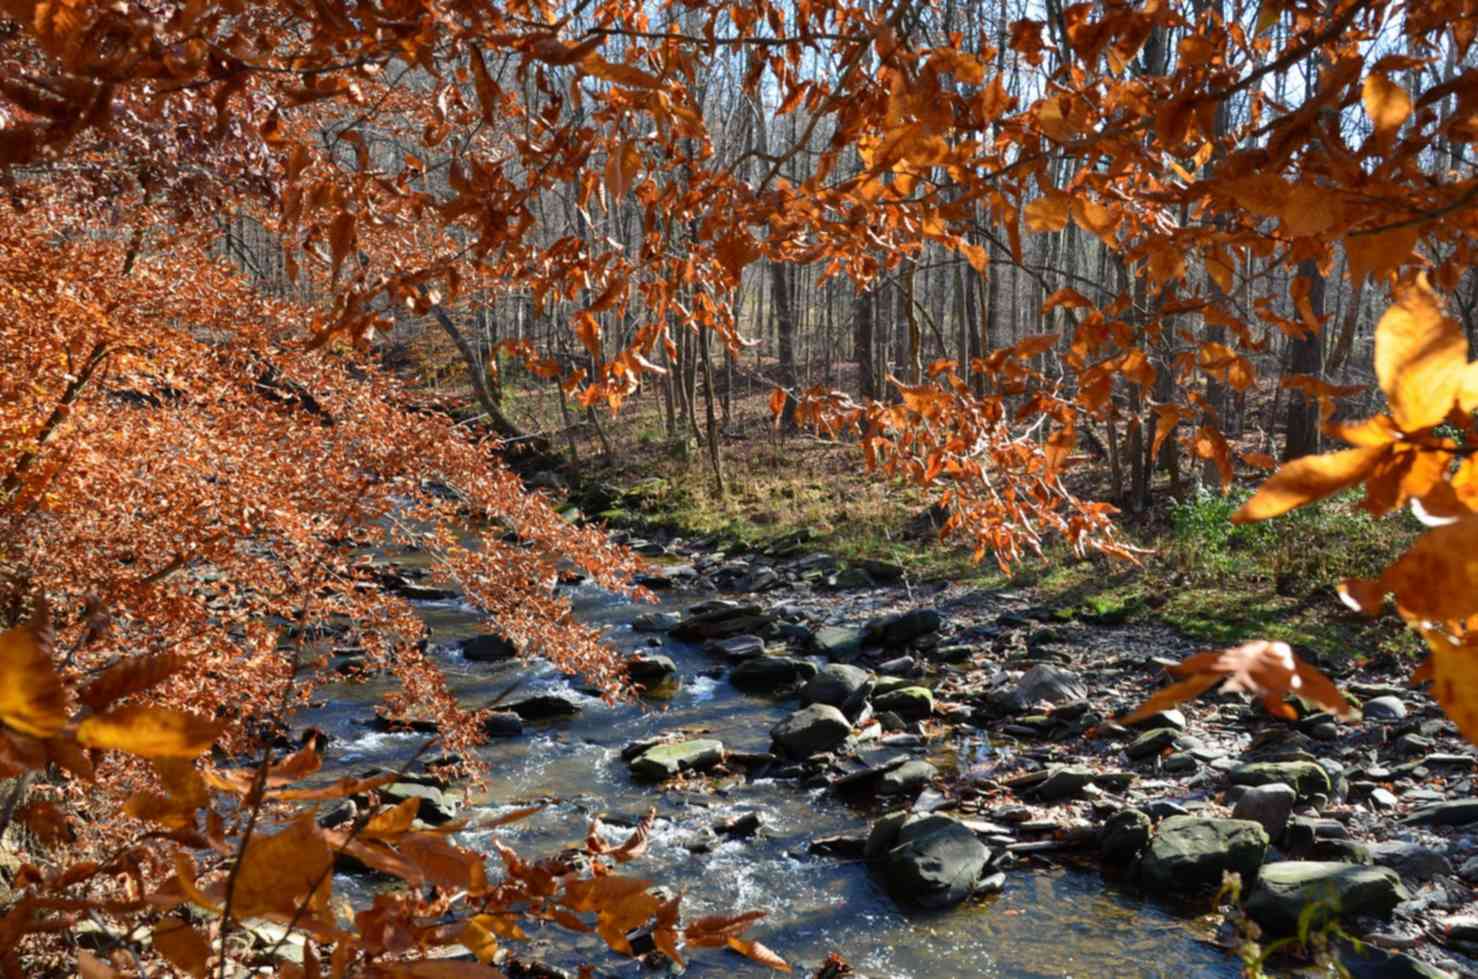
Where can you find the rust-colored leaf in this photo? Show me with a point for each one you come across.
(32, 699)
(1266, 669)
(184, 947)
(759, 953)
(130, 676)
(1420, 357)
(1386, 103)
(1308, 479)
(149, 732)
(1455, 679)
(283, 871)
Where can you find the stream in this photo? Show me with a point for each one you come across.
(1051, 919)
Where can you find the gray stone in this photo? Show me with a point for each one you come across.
(1190, 853)
(1285, 888)
(1384, 710)
(835, 684)
(907, 779)
(1267, 805)
(909, 703)
(838, 641)
(544, 707)
(436, 806)
(720, 620)
(650, 669)
(1173, 717)
(811, 730)
(1064, 783)
(935, 863)
(656, 622)
(884, 834)
(903, 628)
(1383, 798)
(666, 760)
(765, 674)
(488, 649)
(1457, 812)
(1305, 777)
(1125, 835)
(736, 647)
(502, 724)
(1049, 684)
(1411, 860)
(1153, 742)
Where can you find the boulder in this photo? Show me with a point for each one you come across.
(1065, 782)
(666, 760)
(765, 674)
(544, 707)
(909, 703)
(1045, 683)
(1286, 887)
(1411, 860)
(1153, 742)
(812, 730)
(907, 779)
(720, 620)
(502, 724)
(1384, 710)
(903, 628)
(935, 862)
(656, 622)
(1190, 853)
(1306, 778)
(835, 684)
(1125, 836)
(488, 649)
(1268, 805)
(736, 647)
(1457, 812)
(436, 807)
(838, 641)
(650, 669)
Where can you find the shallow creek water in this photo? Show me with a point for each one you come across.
(1047, 922)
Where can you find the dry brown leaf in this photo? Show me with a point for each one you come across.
(32, 699)
(1309, 479)
(149, 732)
(1262, 668)
(184, 947)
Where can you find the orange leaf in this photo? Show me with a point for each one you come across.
(280, 872)
(1308, 479)
(1420, 357)
(1386, 103)
(1049, 212)
(1437, 578)
(130, 676)
(1267, 669)
(1455, 679)
(32, 699)
(149, 732)
(184, 947)
(759, 953)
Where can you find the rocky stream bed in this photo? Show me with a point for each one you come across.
(929, 782)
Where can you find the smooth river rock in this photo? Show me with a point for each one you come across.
(765, 674)
(1306, 778)
(1190, 853)
(1269, 805)
(666, 760)
(935, 862)
(1285, 888)
(812, 730)
(836, 684)
(909, 703)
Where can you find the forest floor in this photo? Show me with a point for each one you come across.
(1203, 576)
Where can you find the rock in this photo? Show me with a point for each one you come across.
(1064, 783)
(867, 779)
(1049, 684)
(766, 674)
(812, 730)
(1190, 853)
(846, 847)
(1286, 887)
(907, 779)
(1458, 812)
(838, 642)
(1173, 717)
(1305, 777)
(1469, 870)
(742, 826)
(1384, 710)
(736, 647)
(903, 628)
(882, 570)
(666, 760)
(656, 622)
(720, 620)
(850, 578)
(909, 703)
(1267, 805)
(1411, 860)
(1369, 962)
(503, 724)
(488, 649)
(650, 669)
(759, 579)
(1125, 835)
(1153, 742)
(543, 707)
(436, 806)
(884, 834)
(935, 863)
(1383, 798)
(835, 685)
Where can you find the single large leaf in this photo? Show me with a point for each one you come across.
(278, 873)
(32, 699)
(1437, 578)
(1308, 479)
(1420, 358)
(149, 732)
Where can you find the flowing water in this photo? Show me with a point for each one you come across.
(1047, 922)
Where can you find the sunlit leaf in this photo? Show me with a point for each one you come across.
(1308, 479)
(149, 732)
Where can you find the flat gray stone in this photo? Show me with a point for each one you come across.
(909, 703)
(835, 684)
(1190, 853)
(666, 760)
(766, 674)
(1284, 889)
(909, 778)
(1306, 778)
(1267, 805)
(1457, 812)
(812, 730)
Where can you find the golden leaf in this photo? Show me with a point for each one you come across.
(1309, 210)
(1267, 669)
(133, 675)
(279, 873)
(1386, 103)
(1048, 212)
(1420, 357)
(149, 732)
(184, 947)
(1455, 679)
(1437, 578)
(1308, 479)
(32, 699)
(758, 953)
